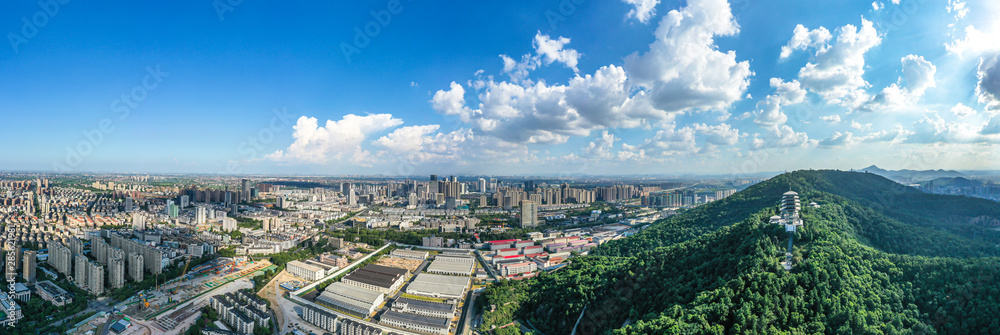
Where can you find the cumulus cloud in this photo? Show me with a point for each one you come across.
(838, 139)
(959, 8)
(988, 88)
(683, 71)
(601, 146)
(803, 38)
(892, 135)
(963, 111)
(830, 118)
(452, 102)
(975, 42)
(770, 111)
(781, 136)
(721, 134)
(672, 140)
(338, 140)
(841, 139)
(547, 51)
(836, 70)
(933, 129)
(917, 76)
(644, 9)
(423, 143)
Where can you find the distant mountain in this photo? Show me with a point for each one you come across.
(913, 175)
(876, 257)
(952, 182)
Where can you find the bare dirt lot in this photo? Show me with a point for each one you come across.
(402, 263)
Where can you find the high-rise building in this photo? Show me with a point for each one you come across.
(95, 278)
(61, 258)
(529, 214)
(135, 266)
(184, 200)
(99, 249)
(200, 215)
(482, 185)
(245, 191)
(529, 185)
(280, 202)
(352, 199)
(138, 221)
(81, 267)
(228, 224)
(76, 246)
(129, 204)
(29, 266)
(116, 268)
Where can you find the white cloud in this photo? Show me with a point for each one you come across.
(859, 126)
(963, 111)
(891, 135)
(803, 38)
(683, 70)
(975, 42)
(336, 140)
(790, 92)
(836, 71)
(672, 141)
(547, 51)
(830, 118)
(452, 102)
(933, 129)
(841, 139)
(988, 88)
(877, 5)
(601, 146)
(917, 76)
(769, 112)
(553, 50)
(644, 9)
(838, 139)
(781, 136)
(959, 8)
(423, 143)
(722, 134)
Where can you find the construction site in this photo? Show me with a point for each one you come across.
(174, 302)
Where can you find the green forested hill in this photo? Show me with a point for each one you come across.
(875, 258)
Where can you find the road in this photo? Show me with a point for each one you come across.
(468, 313)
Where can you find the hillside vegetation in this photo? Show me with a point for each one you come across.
(875, 258)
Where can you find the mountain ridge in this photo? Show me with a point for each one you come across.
(716, 268)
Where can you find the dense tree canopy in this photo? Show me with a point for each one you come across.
(875, 258)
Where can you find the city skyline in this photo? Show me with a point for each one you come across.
(568, 87)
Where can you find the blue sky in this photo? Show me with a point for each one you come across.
(521, 87)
